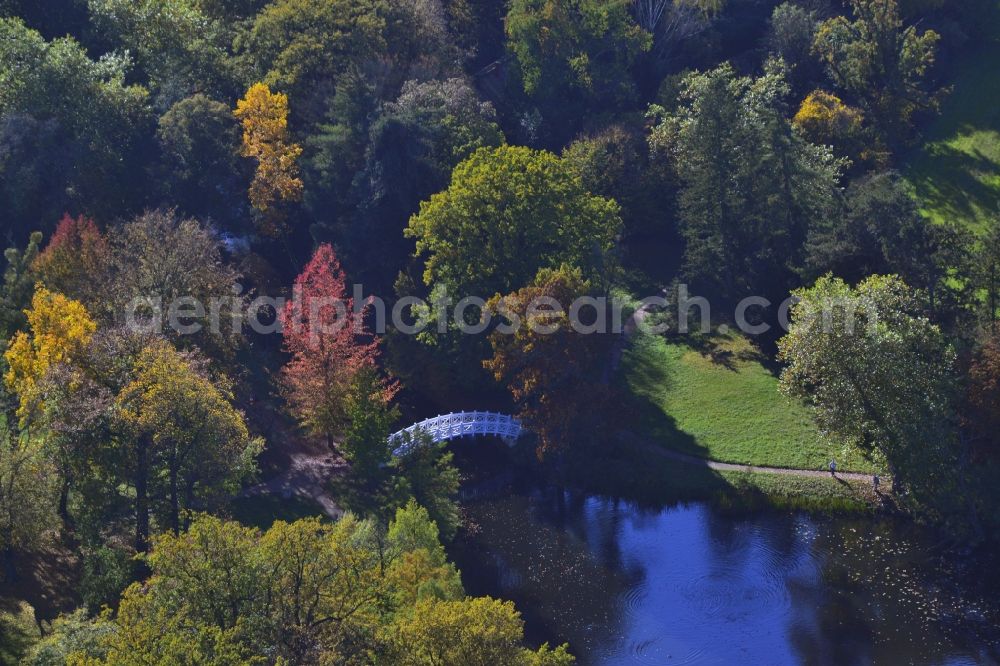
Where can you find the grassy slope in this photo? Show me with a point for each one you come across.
(956, 173)
(720, 402)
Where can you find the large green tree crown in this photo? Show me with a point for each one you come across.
(508, 212)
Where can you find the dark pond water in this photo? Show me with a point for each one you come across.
(689, 584)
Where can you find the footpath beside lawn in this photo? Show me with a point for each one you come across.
(712, 417)
(715, 399)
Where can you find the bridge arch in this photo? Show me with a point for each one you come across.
(446, 427)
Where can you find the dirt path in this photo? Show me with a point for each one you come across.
(311, 469)
(631, 327)
(307, 476)
(628, 332)
(733, 467)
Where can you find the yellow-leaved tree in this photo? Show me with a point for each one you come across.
(188, 446)
(266, 139)
(60, 329)
(824, 119)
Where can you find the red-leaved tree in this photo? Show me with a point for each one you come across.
(75, 261)
(328, 343)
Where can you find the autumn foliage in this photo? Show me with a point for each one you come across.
(823, 116)
(265, 138)
(328, 343)
(551, 370)
(60, 330)
(75, 259)
(824, 119)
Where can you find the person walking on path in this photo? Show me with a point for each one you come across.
(875, 481)
(833, 468)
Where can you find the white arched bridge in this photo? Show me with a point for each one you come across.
(452, 426)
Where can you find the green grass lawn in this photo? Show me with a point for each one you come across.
(956, 173)
(720, 401)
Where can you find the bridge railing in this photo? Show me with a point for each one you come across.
(446, 427)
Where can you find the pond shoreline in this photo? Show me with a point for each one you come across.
(629, 580)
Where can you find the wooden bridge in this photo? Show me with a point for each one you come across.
(452, 426)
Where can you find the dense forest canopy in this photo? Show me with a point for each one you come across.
(195, 161)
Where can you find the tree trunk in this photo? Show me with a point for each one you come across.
(141, 496)
(64, 501)
(175, 510)
(9, 570)
(189, 502)
(993, 296)
(970, 496)
(897, 485)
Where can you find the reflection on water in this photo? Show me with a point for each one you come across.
(690, 585)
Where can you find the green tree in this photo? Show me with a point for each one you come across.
(476, 632)
(215, 570)
(790, 37)
(881, 62)
(615, 163)
(18, 631)
(70, 634)
(750, 184)
(199, 166)
(302, 593)
(987, 272)
(28, 494)
(508, 212)
(187, 430)
(144, 634)
(419, 567)
(879, 377)
(368, 487)
(413, 146)
(180, 47)
(881, 230)
(378, 483)
(15, 297)
(311, 48)
(138, 430)
(427, 474)
(306, 592)
(59, 17)
(18, 285)
(413, 529)
(73, 129)
(575, 54)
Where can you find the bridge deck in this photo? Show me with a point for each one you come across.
(461, 424)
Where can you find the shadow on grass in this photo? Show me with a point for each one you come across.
(949, 170)
(947, 181)
(711, 349)
(716, 349)
(628, 470)
(633, 468)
